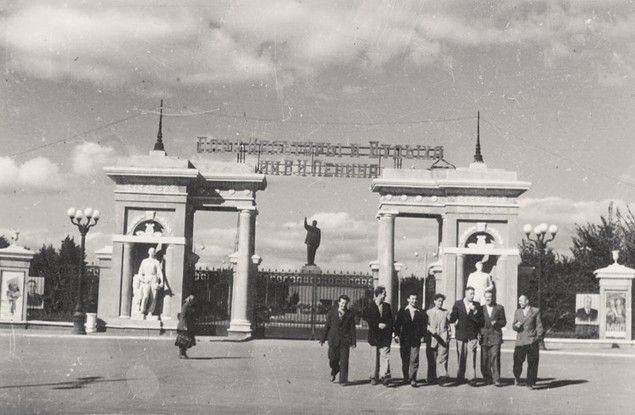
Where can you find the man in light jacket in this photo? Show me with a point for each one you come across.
(529, 332)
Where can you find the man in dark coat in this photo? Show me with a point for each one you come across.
(529, 332)
(468, 316)
(491, 339)
(312, 241)
(339, 330)
(410, 328)
(185, 328)
(380, 323)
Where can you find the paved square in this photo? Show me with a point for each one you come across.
(107, 375)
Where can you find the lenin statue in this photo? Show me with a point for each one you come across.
(312, 241)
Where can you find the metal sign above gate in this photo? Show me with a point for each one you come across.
(319, 167)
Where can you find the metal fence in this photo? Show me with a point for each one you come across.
(293, 304)
(55, 293)
(213, 289)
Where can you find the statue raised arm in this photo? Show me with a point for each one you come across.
(312, 241)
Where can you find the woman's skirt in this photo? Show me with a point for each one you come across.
(184, 340)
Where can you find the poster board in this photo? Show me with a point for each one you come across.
(12, 295)
(585, 314)
(34, 293)
(617, 309)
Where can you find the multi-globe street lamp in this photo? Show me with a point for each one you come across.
(544, 234)
(84, 220)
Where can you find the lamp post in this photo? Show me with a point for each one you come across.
(544, 234)
(77, 218)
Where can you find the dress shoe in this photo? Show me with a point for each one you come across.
(517, 382)
(332, 378)
(472, 382)
(343, 383)
(498, 385)
(386, 381)
(373, 382)
(413, 383)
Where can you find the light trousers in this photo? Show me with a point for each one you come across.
(380, 362)
(467, 353)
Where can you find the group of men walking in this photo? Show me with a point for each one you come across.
(477, 328)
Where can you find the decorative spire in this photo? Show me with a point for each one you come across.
(478, 157)
(158, 146)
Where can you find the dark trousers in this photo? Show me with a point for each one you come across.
(310, 254)
(409, 361)
(338, 361)
(531, 353)
(491, 363)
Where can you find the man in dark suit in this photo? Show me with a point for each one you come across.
(491, 339)
(586, 314)
(529, 332)
(410, 328)
(468, 316)
(380, 324)
(340, 333)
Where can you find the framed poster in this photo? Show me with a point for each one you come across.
(35, 292)
(586, 309)
(616, 309)
(12, 295)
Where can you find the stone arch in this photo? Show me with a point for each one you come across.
(480, 228)
(149, 218)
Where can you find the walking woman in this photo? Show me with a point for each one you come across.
(185, 329)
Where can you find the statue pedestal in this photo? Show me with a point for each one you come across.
(311, 269)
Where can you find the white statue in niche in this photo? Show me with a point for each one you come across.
(481, 282)
(146, 285)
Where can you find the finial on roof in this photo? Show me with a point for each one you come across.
(158, 146)
(478, 157)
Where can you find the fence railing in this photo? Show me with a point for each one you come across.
(213, 289)
(294, 304)
(54, 294)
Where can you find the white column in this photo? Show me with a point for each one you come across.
(460, 276)
(386, 253)
(126, 281)
(167, 297)
(240, 324)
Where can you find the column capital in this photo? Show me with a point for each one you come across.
(251, 210)
(386, 214)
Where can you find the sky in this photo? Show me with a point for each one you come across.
(81, 85)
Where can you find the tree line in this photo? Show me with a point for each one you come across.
(566, 275)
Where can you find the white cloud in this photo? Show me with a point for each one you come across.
(347, 242)
(37, 174)
(227, 42)
(88, 158)
(563, 212)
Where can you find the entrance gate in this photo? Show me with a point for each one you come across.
(294, 305)
(213, 289)
(287, 304)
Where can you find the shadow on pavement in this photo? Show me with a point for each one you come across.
(78, 383)
(358, 382)
(218, 358)
(559, 383)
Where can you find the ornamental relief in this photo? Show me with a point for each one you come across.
(138, 223)
(481, 228)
